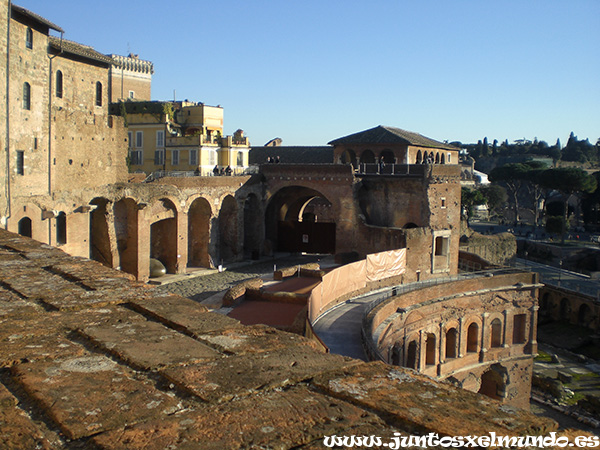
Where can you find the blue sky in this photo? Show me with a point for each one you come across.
(314, 70)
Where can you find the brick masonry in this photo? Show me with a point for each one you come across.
(141, 369)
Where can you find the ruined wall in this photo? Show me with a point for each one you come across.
(479, 333)
(117, 365)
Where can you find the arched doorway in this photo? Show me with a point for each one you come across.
(300, 219)
(388, 157)
(494, 382)
(367, 157)
(252, 227)
(228, 230)
(126, 232)
(25, 227)
(584, 316)
(349, 157)
(163, 237)
(199, 217)
(100, 243)
(565, 310)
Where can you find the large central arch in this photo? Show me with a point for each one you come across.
(300, 219)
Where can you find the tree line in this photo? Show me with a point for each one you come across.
(576, 150)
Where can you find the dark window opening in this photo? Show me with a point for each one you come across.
(29, 38)
(20, 162)
(98, 93)
(59, 84)
(26, 96)
(61, 228)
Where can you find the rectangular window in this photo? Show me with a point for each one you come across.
(449, 159)
(131, 94)
(441, 246)
(130, 139)
(443, 202)
(160, 139)
(139, 139)
(212, 157)
(20, 162)
(519, 328)
(137, 157)
(159, 157)
(194, 157)
(175, 157)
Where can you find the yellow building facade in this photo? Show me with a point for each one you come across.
(181, 137)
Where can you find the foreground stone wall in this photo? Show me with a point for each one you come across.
(92, 360)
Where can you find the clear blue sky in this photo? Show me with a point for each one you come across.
(314, 70)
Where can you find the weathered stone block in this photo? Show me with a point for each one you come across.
(148, 345)
(184, 314)
(418, 403)
(91, 394)
(227, 378)
(274, 420)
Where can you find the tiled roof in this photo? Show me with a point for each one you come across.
(36, 17)
(390, 135)
(292, 155)
(78, 49)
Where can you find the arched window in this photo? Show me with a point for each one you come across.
(430, 349)
(29, 38)
(451, 343)
(26, 96)
(472, 338)
(61, 228)
(496, 333)
(419, 157)
(98, 93)
(59, 84)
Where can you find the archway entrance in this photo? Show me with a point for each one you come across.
(252, 227)
(126, 233)
(228, 230)
(300, 219)
(100, 248)
(25, 228)
(199, 233)
(163, 237)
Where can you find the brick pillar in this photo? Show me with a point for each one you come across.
(182, 242)
(532, 346)
(485, 337)
(508, 329)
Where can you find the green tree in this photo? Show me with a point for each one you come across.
(470, 198)
(495, 196)
(568, 181)
(513, 176)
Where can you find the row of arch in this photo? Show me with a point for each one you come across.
(576, 311)
(387, 156)
(423, 348)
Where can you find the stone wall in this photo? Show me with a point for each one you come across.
(479, 333)
(116, 365)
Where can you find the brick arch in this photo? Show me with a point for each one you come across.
(228, 229)
(199, 218)
(286, 228)
(125, 216)
(101, 249)
(252, 222)
(163, 233)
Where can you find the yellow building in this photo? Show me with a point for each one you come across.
(181, 137)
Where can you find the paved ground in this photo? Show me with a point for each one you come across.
(202, 287)
(340, 328)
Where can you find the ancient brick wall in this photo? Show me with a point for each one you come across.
(116, 365)
(479, 333)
